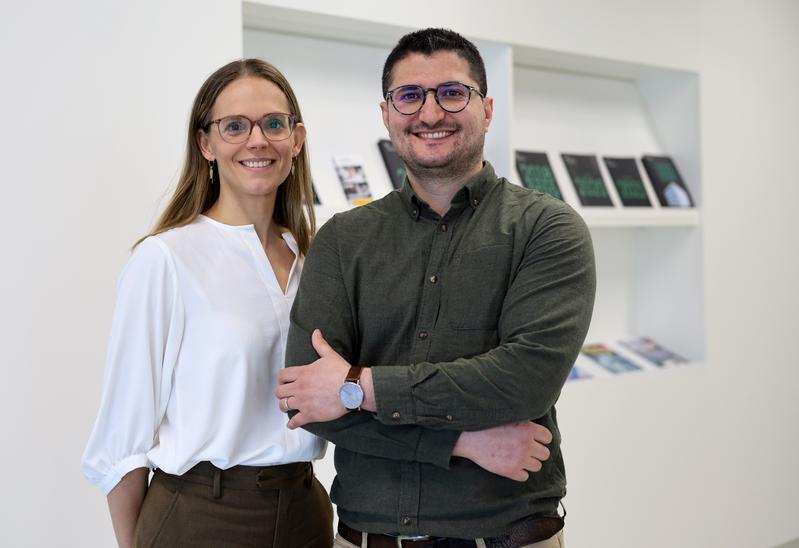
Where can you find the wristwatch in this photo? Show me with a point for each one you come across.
(351, 393)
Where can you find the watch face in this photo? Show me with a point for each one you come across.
(351, 395)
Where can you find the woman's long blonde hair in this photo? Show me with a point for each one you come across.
(194, 194)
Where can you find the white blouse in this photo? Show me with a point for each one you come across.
(198, 337)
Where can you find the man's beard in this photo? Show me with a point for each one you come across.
(454, 166)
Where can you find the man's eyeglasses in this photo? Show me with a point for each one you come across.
(451, 96)
(237, 129)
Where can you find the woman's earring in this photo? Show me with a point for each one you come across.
(292, 165)
(211, 172)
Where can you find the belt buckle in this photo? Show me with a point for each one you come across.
(416, 538)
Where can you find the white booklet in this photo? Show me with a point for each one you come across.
(352, 177)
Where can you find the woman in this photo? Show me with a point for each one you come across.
(199, 335)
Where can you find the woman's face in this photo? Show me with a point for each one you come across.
(256, 167)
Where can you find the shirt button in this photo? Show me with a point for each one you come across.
(415, 213)
(475, 202)
(406, 520)
(422, 335)
(395, 415)
(442, 228)
(433, 279)
(449, 418)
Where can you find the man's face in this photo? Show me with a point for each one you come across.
(433, 142)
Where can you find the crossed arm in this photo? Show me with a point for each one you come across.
(543, 322)
(510, 450)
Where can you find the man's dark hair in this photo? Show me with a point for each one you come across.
(429, 41)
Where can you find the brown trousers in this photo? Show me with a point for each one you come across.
(280, 506)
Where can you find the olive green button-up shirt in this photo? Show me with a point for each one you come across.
(469, 321)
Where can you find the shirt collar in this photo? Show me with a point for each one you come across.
(473, 192)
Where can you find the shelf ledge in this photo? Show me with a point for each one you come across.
(596, 218)
(639, 217)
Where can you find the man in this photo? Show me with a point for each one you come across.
(466, 299)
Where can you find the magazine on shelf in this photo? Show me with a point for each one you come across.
(394, 165)
(353, 179)
(628, 182)
(578, 372)
(536, 173)
(608, 359)
(666, 180)
(587, 179)
(652, 352)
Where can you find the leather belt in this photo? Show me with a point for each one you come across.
(261, 478)
(529, 531)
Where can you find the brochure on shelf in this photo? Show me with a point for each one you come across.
(536, 173)
(352, 177)
(667, 182)
(587, 179)
(608, 359)
(591, 367)
(628, 182)
(394, 165)
(649, 350)
(578, 372)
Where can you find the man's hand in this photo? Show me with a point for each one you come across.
(313, 389)
(511, 450)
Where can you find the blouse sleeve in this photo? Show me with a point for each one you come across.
(145, 338)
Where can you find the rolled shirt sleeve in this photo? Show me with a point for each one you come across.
(145, 339)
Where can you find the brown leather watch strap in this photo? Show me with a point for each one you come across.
(354, 374)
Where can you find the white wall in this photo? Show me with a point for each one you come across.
(95, 97)
(750, 116)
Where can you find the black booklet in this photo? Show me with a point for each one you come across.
(627, 179)
(584, 172)
(666, 180)
(316, 200)
(394, 165)
(536, 173)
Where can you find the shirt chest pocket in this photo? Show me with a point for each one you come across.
(477, 284)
